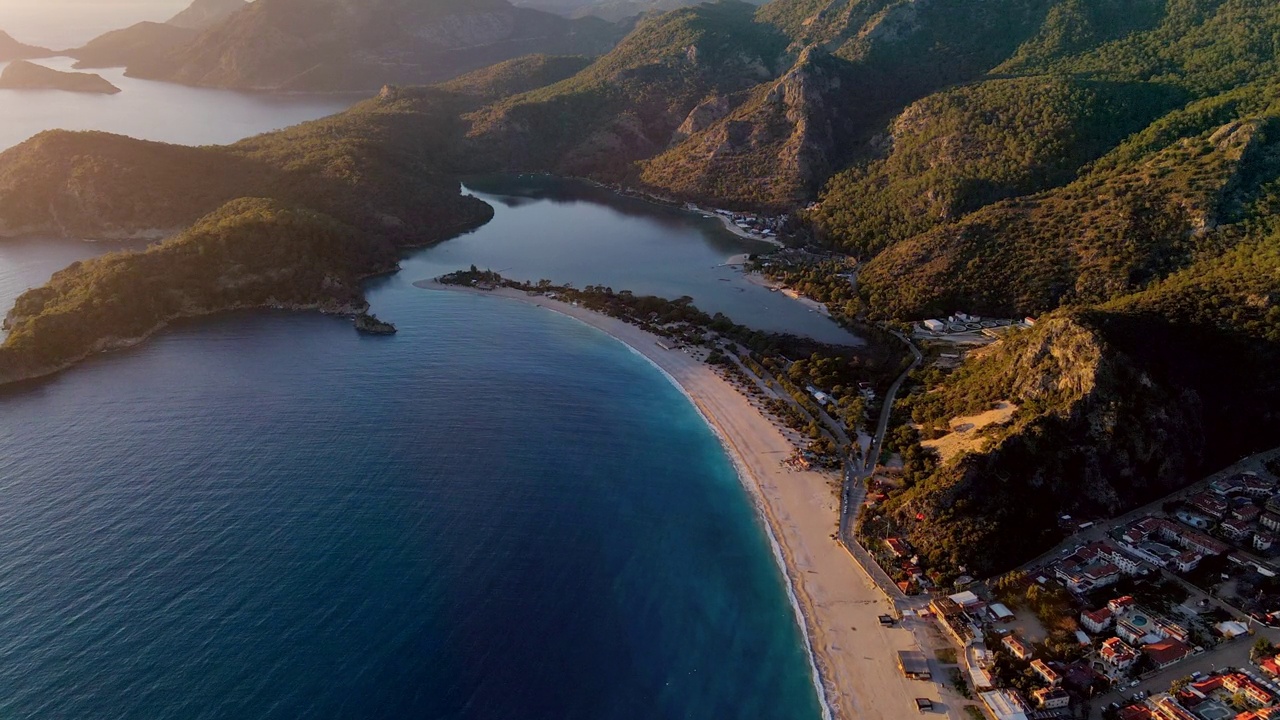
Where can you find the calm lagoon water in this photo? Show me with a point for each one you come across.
(497, 513)
(157, 111)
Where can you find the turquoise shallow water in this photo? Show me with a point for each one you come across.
(496, 513)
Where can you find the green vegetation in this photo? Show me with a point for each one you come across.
(959, 150)
(250, 253)
(626, 106)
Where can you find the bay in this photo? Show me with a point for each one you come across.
(496, 513)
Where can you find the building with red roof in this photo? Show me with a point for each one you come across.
(1096, 621)
(1166, 652)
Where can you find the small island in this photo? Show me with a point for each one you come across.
(23, 75)
(371, 325)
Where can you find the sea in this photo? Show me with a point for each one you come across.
(498, 513)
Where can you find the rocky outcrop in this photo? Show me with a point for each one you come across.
(775, 149)
(23, 75)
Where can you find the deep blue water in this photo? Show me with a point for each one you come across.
(497, 513)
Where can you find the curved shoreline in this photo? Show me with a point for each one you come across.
(836, 604)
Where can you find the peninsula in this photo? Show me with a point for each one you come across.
(23, 75)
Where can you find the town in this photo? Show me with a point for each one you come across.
(1166, 613)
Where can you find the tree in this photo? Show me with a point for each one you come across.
(1261, 647)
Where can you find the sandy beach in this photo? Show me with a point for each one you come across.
(855, 656)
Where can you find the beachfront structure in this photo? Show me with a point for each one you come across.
(1006, 705)
(954, 620)
(914, 665)
(980, 662)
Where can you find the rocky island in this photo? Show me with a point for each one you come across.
(23, 75)
(370, 325)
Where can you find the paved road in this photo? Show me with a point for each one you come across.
(877, 441)
(854, 489)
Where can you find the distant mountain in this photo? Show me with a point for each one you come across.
(23, 75)
(203, 14)
(11, 49)
(143, 43)
(345, 45)
(612, 10)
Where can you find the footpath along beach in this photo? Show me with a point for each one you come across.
(855, 657)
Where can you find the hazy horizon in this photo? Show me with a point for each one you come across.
(64, 24)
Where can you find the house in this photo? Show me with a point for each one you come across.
(1006, 705)
(1270, 665)
(1051, 697)
(1116, 653)
(1186, 561)
(1168, 708)
(1270, 521)
(1246, 512)
(1049, 675)
(1236, 529)
(1087, 569)
(1121, 605)
(1256, 486)
(897, 547)
(1263, 541)
(1096, 621)
(1166, 652)
(1135, 712)
(1017, 647)
(1239, 683)
(1213, 505)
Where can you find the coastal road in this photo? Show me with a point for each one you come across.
(854, 489)
(877, 441)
